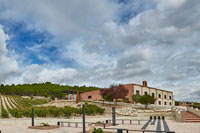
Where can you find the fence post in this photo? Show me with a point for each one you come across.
(113, 116)
(32, 116)
(104, 125)
(83, 110)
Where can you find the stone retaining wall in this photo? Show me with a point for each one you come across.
(195, 111)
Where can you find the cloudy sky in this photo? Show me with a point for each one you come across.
(102, 42)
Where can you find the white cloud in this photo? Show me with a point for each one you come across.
(38, 74)
(160, 44)
(8, 65)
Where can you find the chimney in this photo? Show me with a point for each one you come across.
(144, 83)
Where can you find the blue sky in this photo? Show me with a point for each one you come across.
(101, 43)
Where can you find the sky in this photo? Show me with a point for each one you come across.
(102, 42)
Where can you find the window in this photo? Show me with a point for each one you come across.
(89, 97)
(165, 103)
(165, 96)
(159, 96)
(138, 92)
(170, 103)
(145, 93)
(159, 102)
(170, 97)
(153, 95)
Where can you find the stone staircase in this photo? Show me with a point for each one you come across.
(190, 117)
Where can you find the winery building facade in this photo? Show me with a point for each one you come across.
(163, 97)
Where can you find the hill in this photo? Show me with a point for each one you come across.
(41, 89)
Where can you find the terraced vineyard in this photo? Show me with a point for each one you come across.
(18, 107)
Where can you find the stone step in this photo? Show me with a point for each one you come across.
(192, 119)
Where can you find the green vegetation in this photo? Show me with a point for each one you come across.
(177, 103)
(59, 111)
(136, 98)
(52, 97)
(14, 111)
(99, 122)
(99, 130)
(44, 124)
(4, 113)
(146, 99)
(195, 105)
(107, 97)
(24, 108)
(42, 89)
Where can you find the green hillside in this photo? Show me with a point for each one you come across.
(41, 89)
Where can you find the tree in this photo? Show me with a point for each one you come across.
(114, 92)
(136, 98)
(146, 100)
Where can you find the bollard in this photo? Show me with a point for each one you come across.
(119, 131)
(130, 123)
(150, 117)
(83, 110)
(122, 121)
(104, 125)
(106, 121)
(68, 124)
(32, 116)
(158, 117)
(58, 123)
(163, 117)
(155, 117)
(138, 122)
(76, 125)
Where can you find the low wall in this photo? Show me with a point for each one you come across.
(178, 116)
(151, 106)
(195, 111)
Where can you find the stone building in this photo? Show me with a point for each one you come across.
(163, 97)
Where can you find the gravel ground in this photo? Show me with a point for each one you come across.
(21, 125)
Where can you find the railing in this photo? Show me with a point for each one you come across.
(70, 124)
(124, 121)
(142, 131)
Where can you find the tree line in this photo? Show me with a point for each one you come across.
(42, 89)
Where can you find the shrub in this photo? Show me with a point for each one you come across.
(99, 122)
(54, 111)
(91, 109)
(52, 97)
(4, 113)
(27, 112)
(99, 130)
(41, 112)
(45, 124)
